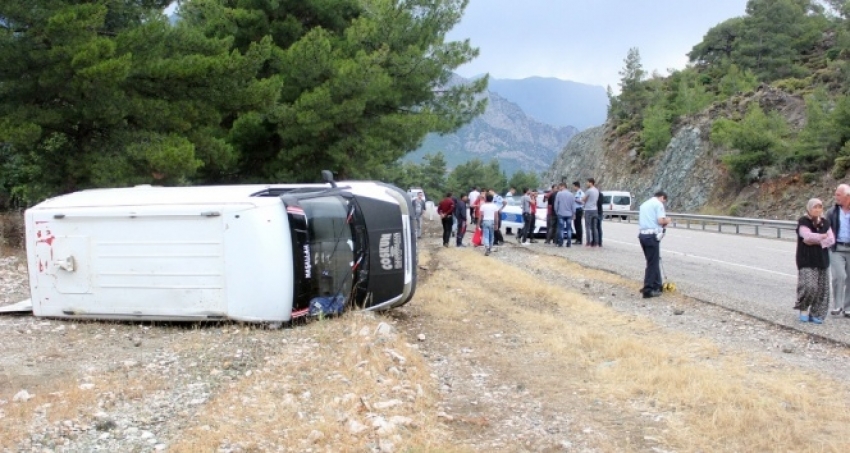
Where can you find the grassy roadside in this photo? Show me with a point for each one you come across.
(707, 400)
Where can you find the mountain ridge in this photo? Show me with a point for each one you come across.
(503, 132)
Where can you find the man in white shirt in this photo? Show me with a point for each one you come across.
(591, 215)
(473, 197)
(652, 220)
(489, 213)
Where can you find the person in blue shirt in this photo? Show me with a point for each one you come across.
(579, 194)
(652, 220)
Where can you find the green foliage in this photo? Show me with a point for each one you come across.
(433, 173)
(655, 134)
(689, 93)
(522, 179)
(735, 210)
(477, 173)
(633, 97)
(840, 167)
(363, 81)
(735, 81)
(793, 85)
(110, 93)
(809, 178)
(759, 138)
(811, 151)
(774, 35)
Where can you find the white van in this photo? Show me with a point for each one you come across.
(257, 253)
(614, 200)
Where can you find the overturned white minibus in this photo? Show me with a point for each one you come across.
(256, 253)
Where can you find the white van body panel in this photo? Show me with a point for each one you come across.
(188, 253)
(130, 254)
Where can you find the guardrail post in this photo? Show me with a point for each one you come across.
(779, 233)
(737, 229)
(719, 227)
(703, 225)
(757, 230)
(688, 223)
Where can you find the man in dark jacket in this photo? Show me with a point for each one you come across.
(839, 255)
(461, 218)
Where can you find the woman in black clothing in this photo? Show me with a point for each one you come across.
(814, 237)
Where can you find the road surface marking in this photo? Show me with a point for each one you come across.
(713, 260)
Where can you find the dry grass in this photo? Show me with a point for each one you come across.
(710, 400)
(313, 393)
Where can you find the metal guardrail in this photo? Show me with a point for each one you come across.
(751, 226)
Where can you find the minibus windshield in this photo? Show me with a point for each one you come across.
(331, 245)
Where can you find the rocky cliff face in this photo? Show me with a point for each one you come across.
(690, 168)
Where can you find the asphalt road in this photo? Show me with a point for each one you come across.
(752, 275)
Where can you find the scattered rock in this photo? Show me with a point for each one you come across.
(355, 427)
(386, 404)
(788, 348)
(678, 312)
(383, 330)
(22, 397)
(315, 436)
(421, 337)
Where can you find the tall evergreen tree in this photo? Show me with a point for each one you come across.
(363, 81)
(774, 35)
(632, 99)
(109, 93)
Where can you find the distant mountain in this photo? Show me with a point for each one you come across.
(555, 101)
(503, 132)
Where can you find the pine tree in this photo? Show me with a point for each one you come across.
(632, 99)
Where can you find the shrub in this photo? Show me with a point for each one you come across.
(809, 177)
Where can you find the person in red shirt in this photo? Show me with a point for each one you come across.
(445, 210)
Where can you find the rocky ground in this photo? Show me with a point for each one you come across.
(483, 359)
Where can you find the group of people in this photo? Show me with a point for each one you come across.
(479, 208)
(482, 209)
(823, 248)
(566, 210)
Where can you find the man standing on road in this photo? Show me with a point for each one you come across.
(418, 210)
(551, 217)
(473, 204)
(460, 217)
(579, 211)
(652, 220)
(565, 209)
(489, 213)
(446, 210)
(591, 215)
(524, 235)
(839, 256)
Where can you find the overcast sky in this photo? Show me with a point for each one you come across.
(585, 40)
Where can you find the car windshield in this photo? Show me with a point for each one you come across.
(331, 244)
(619, 199)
